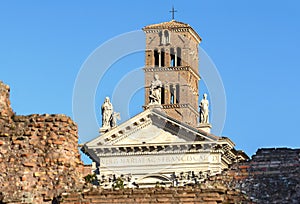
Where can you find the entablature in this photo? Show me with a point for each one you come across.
(104, 151)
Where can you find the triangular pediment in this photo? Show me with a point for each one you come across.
(151, 134)
(149, 127)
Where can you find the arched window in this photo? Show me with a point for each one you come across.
(156, 58)
(160, 34)
(172, 99)
(172, 94)
(178, 56)
(172, 56)
(167, 38)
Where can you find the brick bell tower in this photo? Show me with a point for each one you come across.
(172, 56)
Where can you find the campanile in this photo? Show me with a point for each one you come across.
(172, 56)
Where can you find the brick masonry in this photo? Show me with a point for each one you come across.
(39, 157)
(179, 80)
(213, 195)
(271, 176)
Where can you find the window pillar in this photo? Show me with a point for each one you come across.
(159, 59)
(174, 93)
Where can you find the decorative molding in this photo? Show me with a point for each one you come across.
(163, 151)
(186, 105)
(178, 68)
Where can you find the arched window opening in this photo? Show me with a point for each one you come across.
(172, 99)
(172, 94)
(156, 58)
(172, 56)
(167, 38)
(178, 56)
(160, 34)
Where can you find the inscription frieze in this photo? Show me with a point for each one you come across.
(158, 159)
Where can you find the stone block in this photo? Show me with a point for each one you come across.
(210, 194)
(187, 200)
(218, 199)
(163, 199)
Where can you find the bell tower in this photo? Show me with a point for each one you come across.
(172, 58)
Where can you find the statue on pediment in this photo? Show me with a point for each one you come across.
(107, 111)
(114, 118)
(204, 111)
(155, 90)
(109, 117)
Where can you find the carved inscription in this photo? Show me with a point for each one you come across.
(154, 159)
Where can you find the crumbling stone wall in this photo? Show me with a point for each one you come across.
(213, 195)
(271, 176)
(39, 157)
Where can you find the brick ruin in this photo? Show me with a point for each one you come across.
(40, 163)
(39, 157)
(271, 176)
(199, 194)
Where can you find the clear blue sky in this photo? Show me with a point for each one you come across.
(254, 45)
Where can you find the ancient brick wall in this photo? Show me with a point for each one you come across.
(204, 195)
(271, 176)
(39, 157)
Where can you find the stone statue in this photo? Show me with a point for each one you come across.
(107, 111)
(114, 117)
(155, 91)
(204, 112)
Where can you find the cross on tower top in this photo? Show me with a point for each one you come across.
(173, 11)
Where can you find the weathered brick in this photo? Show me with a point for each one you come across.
(29, 164)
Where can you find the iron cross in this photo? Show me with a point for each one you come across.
(173, 11)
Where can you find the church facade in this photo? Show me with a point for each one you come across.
(169, 142)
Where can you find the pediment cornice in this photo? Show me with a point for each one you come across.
(151, 117)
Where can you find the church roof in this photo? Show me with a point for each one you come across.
(169, 24)
(174, 25)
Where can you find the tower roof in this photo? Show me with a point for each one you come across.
(174, 25)
(169, 24)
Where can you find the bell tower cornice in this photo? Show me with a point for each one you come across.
(172, 69)
(173, 26)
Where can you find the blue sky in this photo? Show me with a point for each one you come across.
(254, 45)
